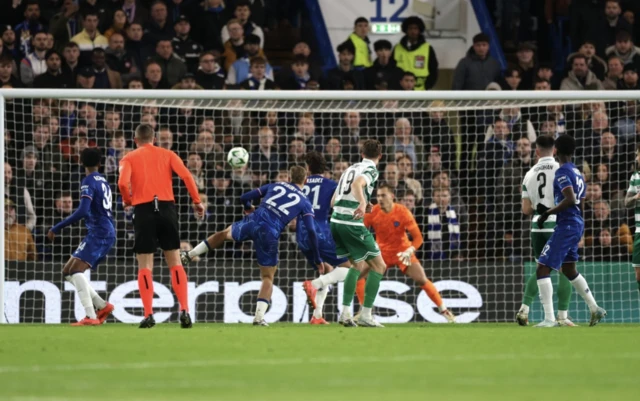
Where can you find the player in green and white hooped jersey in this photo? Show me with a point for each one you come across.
(633, 199)
(352, 238)
(537, 194)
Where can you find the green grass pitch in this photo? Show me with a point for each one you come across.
(301, 362)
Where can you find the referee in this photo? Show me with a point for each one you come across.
(146, 184)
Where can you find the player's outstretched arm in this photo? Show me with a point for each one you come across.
(124, 182)
(248, 198)
(178, 167)
(79, 214)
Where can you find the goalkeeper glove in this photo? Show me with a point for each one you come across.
(405, 257)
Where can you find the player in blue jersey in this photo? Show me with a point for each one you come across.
(561, 251)
(95, 209)
(282, 203)
(320, 190)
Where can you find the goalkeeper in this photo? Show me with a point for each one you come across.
(391, 221)
(537, 192)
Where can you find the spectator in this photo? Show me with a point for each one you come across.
(614, 73)
(526, 64)
(443, 229)
(306, 131)
(106, 78)
(158, 27)
(118, 24)
(302, 49)
(118, 59)
(243, 14)
(210, 75)
(165, 139)
(65, 24)
(607, 248)
(606, 29)
(153, 78)
(345, 72)
(497, 153)
(239, 70)
(580, 77)
(297, 152)
(197, 228)
(195, 166)
(265, 156)
(184, 47)
(135, 83)
(9, 46)
(28, 29)
(299, 76)
(384, 69)
(21, 199)
(625, 126)
(234, 47)
(86, 78)
(406, 176)
(435, 132)
(360, 40)
(545, 72)
(519, 125)
(608, 154)
(209, 23)
(602, 220)
(333, 151)
(477, 69)
(134, 46)
(350, 135)
(338, 168)
(172, 67)
(392, 179)
(408, 81)
(403, 141)
(258, 79)
(6, 76)
(34, 63)
(53, 78)
(625, 49)
(31, 177)
(629, 79)
(115, 152)
(416, 55)
(135, 11)
(89, 38)
(71, 55)
(512, 78)
(62, 208)
(18, 241)
(187, 82)
(597, 65)
(223, 195)
(206, 146)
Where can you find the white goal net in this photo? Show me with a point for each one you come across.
(442, 151)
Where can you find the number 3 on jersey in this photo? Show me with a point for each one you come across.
(107, 201)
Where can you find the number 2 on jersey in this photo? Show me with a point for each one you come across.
(580, 183)
(541, 177)
(284, 208)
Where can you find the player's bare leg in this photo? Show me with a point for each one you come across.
(214, 241)
(73, 272)
(581, 286)
(267, 273)
(416, 272)
(145, 286)
(179, 284)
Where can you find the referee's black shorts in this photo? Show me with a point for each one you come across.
(155, 224)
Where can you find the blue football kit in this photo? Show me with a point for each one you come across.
(95, 207)
(281, 203)
(319, 191)
(562, 247)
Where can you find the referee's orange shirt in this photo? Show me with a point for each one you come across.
(147, 172)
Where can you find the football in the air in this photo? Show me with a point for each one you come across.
(238, 158)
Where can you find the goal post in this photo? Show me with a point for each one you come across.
(463, 151)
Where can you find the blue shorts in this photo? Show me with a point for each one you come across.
(92, 250)
(265, 241)
(562, 247)
(327, 250)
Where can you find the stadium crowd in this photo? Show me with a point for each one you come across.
(468, 161)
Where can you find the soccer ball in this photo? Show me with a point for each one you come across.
(238, 158)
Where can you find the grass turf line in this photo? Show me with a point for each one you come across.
(301, 362)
